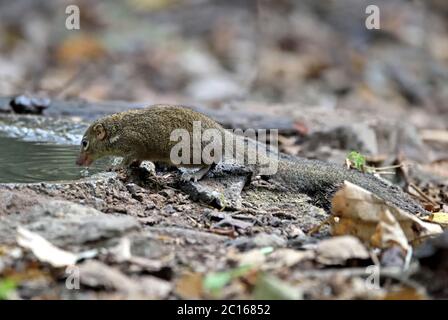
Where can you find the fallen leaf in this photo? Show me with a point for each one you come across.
(286, 258)
(44, 250)
(373, 221)
(439, 218)
(337, 250)
(389, 233)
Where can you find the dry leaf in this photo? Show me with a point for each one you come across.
(389, 233)
(440, 218)
(369, 218)
(44, 250)
(338, 250)
(285, 258)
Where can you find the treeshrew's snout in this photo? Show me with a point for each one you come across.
(84, 159)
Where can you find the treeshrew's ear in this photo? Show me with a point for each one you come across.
(100, 132)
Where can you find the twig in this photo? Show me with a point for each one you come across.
(423, 195)
(388, 167)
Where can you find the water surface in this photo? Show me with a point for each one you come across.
(24, 161)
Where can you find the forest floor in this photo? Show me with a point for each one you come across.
(327, 89)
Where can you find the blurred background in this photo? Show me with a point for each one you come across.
(302, 52)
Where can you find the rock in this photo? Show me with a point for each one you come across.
(61, 222)
(221, 188)
(16, 202)
(28, 104)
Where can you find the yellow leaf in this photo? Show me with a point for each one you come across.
(440, 218)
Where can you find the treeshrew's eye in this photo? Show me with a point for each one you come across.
(85, 144)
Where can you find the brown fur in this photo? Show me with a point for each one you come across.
(144, 134)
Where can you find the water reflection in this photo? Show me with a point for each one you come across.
(22, 161)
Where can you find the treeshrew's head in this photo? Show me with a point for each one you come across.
(94, 144)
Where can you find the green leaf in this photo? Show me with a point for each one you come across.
(357, 160)
(7, 286)
(215, 281)
(269, 287)
(267, 250)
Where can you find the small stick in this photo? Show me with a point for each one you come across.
(388, 167)
(423, 195)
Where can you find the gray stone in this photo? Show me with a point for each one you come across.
(61, 222)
